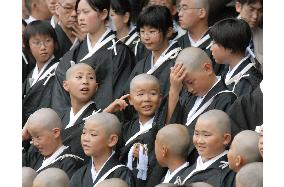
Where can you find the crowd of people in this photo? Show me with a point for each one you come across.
(142, 93)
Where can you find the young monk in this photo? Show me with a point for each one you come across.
(51, 177)
(250, 175)
(112, 182)
(28, 175)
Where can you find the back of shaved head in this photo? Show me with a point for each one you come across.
(143, 78)
(45, 118)
(28, 175)
(250, 175)
(113, 182)
(193, 58)
(74, 67)
(168, 136)
(51, 177)
(219, 119)
(108, 121)
(246, 145)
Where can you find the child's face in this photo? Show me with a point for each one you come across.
(43, 140)
(67, 13)
(118, 20)
(251, 13)
(188, 14)
(152, 38)
(232, 155)
(42, 47)
(81, 84)
(207, 139)
(94, 139)
(197, 83)
(220, 54)
(146, 98)
(89, 20)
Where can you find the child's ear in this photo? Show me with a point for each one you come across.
(130, 100)
(126, 17)
(239, 161)
(238, 7)
(56, 132)
(227, 138)
(164, 151)
(207, 67)
(65, 85)
(112, 141)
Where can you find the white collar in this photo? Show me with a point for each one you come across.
(89, 43)
(48, 161)
(52, 21)
(73, 118)
(36, 74)
(30, 19)
(231, 72)
(146, 125)
(170, 175)
(171, 42)
(93, 169)
(192, 42)
(200, 165)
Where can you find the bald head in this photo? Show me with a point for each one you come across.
(144, 79)
(166, 185)
(193, 58)
(108, 121)
(199, 184)
(248, 149)
(51, 177)
(219, 119)
(117, 182)
(251, 175)
(45, 118)
(168, 136)
(28, 175)
(78, 67)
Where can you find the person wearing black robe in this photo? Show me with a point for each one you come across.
(66, 160)
(64, 42)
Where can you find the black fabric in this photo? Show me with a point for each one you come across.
(69, 164)
(176, 176)
(248, 83)
(184, 42)
(64, 43)
(28, 66)
(214, 174)
(112, 71)
(83, 177)
(38, 96)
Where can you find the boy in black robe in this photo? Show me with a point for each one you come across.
(205, 91)
(193, 17)
(231, 38)
(99, 138)
(47, 151)
(112, 60)
(171, 152)
(212, 134)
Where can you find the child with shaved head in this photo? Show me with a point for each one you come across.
(112, 182)
(244, 150)
(212, 134)
(250, 175)
(51, 177)
(47, 151)
(99, 138)
(205, 91)
(171, 152)
(28, 175)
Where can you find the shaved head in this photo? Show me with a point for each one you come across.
(28, 175)
(199, 184)
(250, 175)
(248, 149)
(166, 185)
(108, 121)
(117, 182)
(45, 118)
(219, 119)
(168, 136)
(77, 67)
(143, 78)
(193, 58)
(51, 177)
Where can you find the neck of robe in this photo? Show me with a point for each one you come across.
(198, 31)
(157, 53)
(100, 159)
(94, 37)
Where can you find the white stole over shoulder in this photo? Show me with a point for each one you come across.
(170, 175)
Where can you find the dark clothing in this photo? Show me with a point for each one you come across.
(64, 43)
(83, 177)
(28, 65)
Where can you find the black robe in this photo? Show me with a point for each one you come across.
(247, 110)
(176, 176)
(246, 84)
(39, 95)
(222, 101)
(64, 43)
(129, 129)
(70, 164)
(112, 71)
(184, 42)
(83, 177)
(214, 174)
(72, 136)
(28, 65)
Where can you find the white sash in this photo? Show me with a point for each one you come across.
(97, 47)
(203, 107)
(170, 55)
(48, 72)
(76, 41)
(128, 42)
(240, 75)
(25, 59)
(107, 173)
(94, 112)
(137, 134)
(169, 176)
(201, 41)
